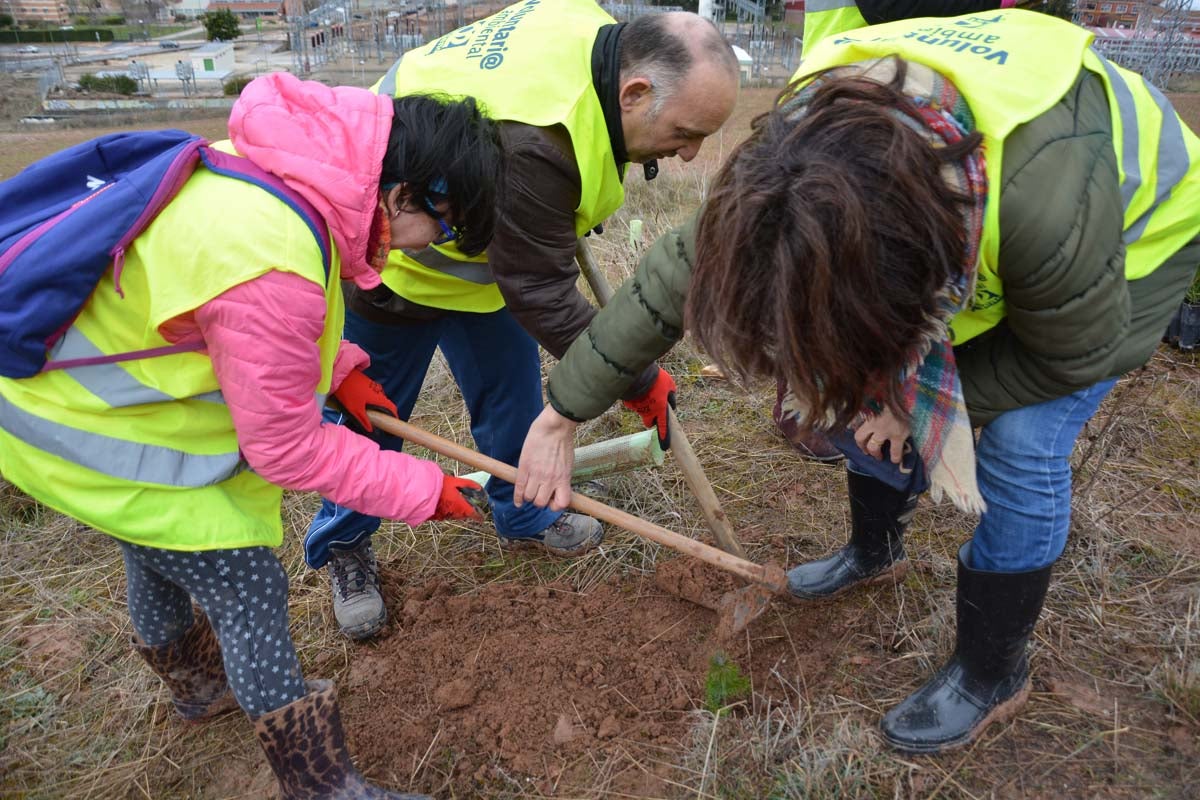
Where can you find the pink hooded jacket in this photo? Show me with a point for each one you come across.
(328, 144)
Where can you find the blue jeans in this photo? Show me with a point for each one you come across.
(494, 362)
(1023, 465)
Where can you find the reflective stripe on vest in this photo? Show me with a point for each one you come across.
(823, 18)
(120, 458)
(815, 6)
(1172, 159)
(387, 84)
(472, 271)
(109, 382)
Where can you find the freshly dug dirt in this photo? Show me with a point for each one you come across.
(538, 685)
(695, 582)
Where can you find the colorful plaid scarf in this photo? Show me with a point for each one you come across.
(932, 391)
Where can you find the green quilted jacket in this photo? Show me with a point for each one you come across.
(1072, 317)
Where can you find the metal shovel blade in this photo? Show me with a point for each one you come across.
(737, 609)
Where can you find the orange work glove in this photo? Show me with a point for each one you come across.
(460, 499)
(358, 393)
(652, 406)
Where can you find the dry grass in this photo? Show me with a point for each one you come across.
(1116, 670)
(1116, 709)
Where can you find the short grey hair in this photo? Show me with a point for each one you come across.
(652, 47)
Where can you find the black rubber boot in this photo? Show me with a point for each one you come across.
(306, 747)
(987, 678)
(878, 516)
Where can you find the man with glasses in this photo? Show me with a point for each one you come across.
(579, 97)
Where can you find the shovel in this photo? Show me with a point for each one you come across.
(681, 447)
(735, 609)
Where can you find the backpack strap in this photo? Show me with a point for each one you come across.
(244, 169)
(132, 355)
(230, 166)
(182, 165)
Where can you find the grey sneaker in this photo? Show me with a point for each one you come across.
(357, 599)
(570, 535)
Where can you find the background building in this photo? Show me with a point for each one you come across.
(793, 12)
(187, 9)
(38, 12)
(250, 8)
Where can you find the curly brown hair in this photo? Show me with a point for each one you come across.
(823, 245)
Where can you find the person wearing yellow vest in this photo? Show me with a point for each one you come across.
(945, 224)
(183, 458)
(824, 18)
(578, 97)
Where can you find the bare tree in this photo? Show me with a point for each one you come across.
(1163, 24)
(144, 10)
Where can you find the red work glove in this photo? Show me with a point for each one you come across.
(460, 499)
(652, 406)
(358, 393)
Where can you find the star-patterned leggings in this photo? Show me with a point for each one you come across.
(244, 593)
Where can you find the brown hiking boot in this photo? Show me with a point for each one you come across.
(306, 748)
(193, 669)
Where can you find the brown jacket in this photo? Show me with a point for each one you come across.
(532, 255)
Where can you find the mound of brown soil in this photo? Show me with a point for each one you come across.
(539, 685)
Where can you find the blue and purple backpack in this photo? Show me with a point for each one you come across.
(66, 218)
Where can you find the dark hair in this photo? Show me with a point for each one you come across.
(648, 38)
(434, 138)
(664, 46)
(823, 246)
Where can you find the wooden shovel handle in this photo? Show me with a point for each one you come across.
(767, 575)
(681, 446)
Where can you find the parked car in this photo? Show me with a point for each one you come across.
(169, 45)
(28, 49)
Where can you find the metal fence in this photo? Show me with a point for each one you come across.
(51, 79)
(1159, 61)
(774, 50)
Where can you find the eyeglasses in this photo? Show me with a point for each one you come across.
(448, 233)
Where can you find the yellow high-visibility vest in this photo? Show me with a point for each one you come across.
(146, 450)
(1013, 65)
(530, 62)
(824, 18)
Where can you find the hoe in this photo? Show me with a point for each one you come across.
(735, 609)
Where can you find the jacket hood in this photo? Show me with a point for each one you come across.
(328, 144)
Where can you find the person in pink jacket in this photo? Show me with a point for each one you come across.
(383, 173)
